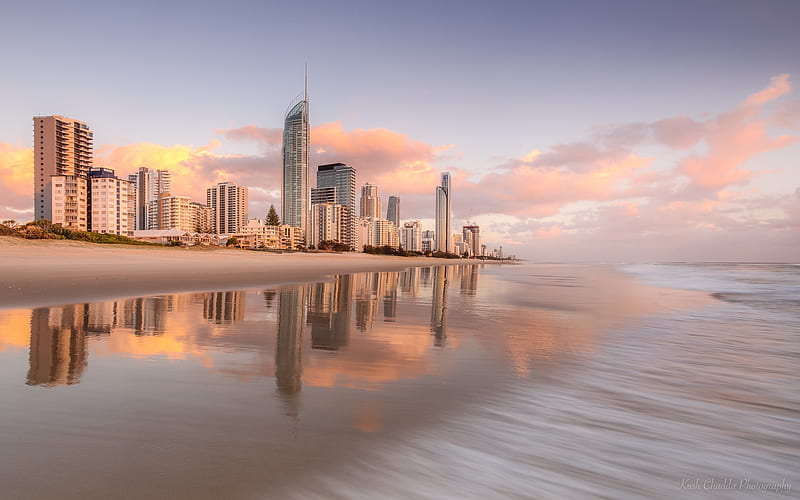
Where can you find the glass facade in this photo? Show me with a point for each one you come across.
(295, 202)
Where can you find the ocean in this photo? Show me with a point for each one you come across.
(500, 381)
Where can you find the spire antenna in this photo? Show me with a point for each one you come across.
(305, 83)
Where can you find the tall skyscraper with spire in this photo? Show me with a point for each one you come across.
(443, 236)
(295, 193)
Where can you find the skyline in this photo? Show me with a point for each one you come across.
(683, 147)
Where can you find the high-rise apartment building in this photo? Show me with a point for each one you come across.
(370, 201)
(443, 214)
(472, 240)
(393, 210)
(411, 236)
(295, 192)
(336, 183)
(428, 240)
(326, 222)
(376, 232)
(228, 204)
(61, 147)
(179, 212)
(113, 203)
(150, 184)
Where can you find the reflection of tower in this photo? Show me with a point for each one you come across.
(101, 317)
(366, 299)
(58, 345)
(439, 309)
(409, 282)
(425, 276)
(390, 296)
(146, 315)
(469, 279)
(223, 307)
(329, 313)
(288, 353)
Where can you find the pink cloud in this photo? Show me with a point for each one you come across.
(268, 136)
(16, 182)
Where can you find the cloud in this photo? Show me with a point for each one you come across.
(16, 182)
(269, 137)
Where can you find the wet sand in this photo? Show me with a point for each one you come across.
(48, 272)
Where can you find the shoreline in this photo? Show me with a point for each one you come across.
(37, 273)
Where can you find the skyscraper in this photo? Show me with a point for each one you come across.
(393, 210)
(150, 185)
(295, 192)
(443, 193)
(61, 147)
(370, 202)
(336, 183)
(228, 203)
(411, 236)
(472, 239)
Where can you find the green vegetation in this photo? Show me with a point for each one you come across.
(333, 246)
(233, 241)
(272, 217)
(46, 230)
(387, 250)
(445, 255)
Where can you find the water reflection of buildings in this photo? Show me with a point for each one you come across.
(223, 307)
(371, 289)
(469, 279)
(58, 353)
(289, 352)
(145, 315)
(329, 313)
(439, 305)
(58, 341)
(408, 282)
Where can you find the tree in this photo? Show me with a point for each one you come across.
(232, 241)
(272, 217)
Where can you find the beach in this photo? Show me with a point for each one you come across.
(51, 272)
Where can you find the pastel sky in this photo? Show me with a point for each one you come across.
(575, 130)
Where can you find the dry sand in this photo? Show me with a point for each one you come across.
(53, 272)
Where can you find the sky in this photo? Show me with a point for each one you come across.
(574, 130)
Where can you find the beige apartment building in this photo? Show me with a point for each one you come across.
(257, 234)
(68, 202)
(112, 203)
(61, 147)
(178, 212)
(328, 223)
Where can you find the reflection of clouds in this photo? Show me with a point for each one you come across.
(15, 329)
(388, 355)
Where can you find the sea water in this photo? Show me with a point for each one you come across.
(527, 381)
